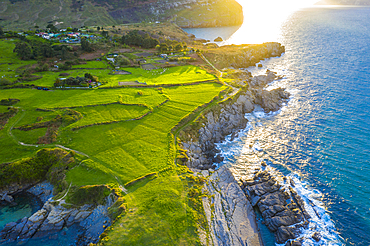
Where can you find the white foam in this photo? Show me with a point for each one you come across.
(320, 220)
(244, 153)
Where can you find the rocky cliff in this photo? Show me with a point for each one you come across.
(56, 215)
(228, 118)
(229, 211)
(243, 56)
(229, 214)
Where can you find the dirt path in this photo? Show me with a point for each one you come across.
(235, 90)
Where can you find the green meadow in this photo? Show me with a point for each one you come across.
(170, 75)
(124, 133)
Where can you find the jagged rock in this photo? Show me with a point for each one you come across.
(293, 243)
(271, 100)
(5, 197)
(255, 200)
(218, 39)
(285, 233)
(282, 215)
(316, 236)
(263, 191)
(272, 211)
(300, 203)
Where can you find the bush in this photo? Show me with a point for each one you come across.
(4, 81)
(122, 61)
(90, 194)
(9, 101)
(35, 169)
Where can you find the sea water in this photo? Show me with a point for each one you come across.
(321, 137)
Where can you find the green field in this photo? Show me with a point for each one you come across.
(171, 75)
(125, 133)
(9, 62)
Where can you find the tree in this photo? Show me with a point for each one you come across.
(85, 45)
(23, 50)
(163, 48)
(52, 27)
(105, 34)
(1, 31)
(98, 28)
(64, 53)
(178, 47)
(122, 61)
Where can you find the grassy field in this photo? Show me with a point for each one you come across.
(9, 62)
(11, 67)
(171, 75)
(135, 140)
(121, 152)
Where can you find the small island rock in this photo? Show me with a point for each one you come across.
(218, 39)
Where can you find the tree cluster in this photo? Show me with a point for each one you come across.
(122, 61)
(34, 49)
(139, 39)
(78, 81)
(86, 45)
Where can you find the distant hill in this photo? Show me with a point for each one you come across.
(26, 14)
(344, 2)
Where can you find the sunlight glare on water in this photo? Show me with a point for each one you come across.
(263, 20)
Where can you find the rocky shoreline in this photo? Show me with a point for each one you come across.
(282, 209)
(228, 118)
(57, 215)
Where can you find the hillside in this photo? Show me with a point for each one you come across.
(24, 14)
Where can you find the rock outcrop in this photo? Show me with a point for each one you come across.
(230, 215)
(282, 209)
(243, 56)
(53, 217)
(228, 118)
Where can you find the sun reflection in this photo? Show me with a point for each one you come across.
(263, 19)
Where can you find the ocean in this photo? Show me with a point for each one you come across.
(321, 137)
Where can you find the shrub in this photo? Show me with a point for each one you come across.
(4, 81)
(35, 169)
(122, 61)
(90, 194)
(9, 101)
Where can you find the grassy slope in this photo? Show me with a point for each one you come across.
(27, 14)
(121, 152)
(159, 214)
(9, 62)
(219, 13)
(134, 148)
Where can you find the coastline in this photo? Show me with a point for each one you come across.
(229, 207)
